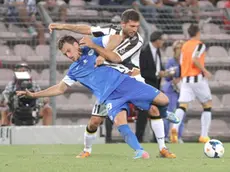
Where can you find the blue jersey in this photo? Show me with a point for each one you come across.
(102, 81)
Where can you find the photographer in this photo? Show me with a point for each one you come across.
(8, 98)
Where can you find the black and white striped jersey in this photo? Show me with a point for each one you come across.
(128, 50)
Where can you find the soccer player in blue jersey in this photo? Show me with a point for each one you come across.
(126, 56)
(110, 86)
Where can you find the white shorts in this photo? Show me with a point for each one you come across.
(191, 91)
(100, 109)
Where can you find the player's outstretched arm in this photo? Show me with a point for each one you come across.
(79, 28)
(106, 53)
(55, 90)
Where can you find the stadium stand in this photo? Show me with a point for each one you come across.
(16, 45)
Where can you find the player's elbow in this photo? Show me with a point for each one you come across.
(62, 87)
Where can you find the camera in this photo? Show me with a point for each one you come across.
(25, 110)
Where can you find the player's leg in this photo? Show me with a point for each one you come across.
(98, 114)
(186, 96)
(203, 94)
(120, 120)
(173, 97)
(144, 96)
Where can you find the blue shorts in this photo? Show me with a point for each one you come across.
(130, 91)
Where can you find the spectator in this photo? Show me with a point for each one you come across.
(23, 13)
(45, 110)
(152, 71)
(116, 2)
(56, 8)
(171, 88)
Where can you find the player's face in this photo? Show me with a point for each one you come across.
(130, 28)
(72, 51)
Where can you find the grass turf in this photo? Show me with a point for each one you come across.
(108, 158)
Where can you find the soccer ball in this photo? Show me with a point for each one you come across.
(214, 149)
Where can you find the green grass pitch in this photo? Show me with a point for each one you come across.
(108, 158)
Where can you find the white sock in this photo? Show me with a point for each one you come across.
(158, 128)
(206, 118)
(180, 114)
(88, 141)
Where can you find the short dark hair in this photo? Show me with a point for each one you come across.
(66, 39)
(157, 35)
(193, 30)
(130, 14)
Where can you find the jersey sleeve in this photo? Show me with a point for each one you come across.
(128, 48)
(98, 31)
(68, 80)
(101, 41)
(199, 50)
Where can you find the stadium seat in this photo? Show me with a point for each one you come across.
(59, 76)
(44, 51)
(193, 127)
(222, 75)
(61, 101)
(205, 5)
(3, 27)
(82, 121)
(210, 28)
(34, 59)
(24, 51)
(221, 4)
(226, 101)
(217, 51)
(13, 59)
(35, 75)
(219, 128)
(5, 50)
(64, 121)
(185, 27)
(216, 103)
(76, 3)
(8, 35)
(44, 78)
(6, 76)
(195, 106)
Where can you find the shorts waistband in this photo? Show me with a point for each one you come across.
(193, 79)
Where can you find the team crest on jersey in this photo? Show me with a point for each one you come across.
(122, 51)
(91, 52)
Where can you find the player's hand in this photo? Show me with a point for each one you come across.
(207, 74)
(26, 93)
(57, 26)
(99, 61)
(86, 41)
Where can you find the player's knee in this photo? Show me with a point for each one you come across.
(161, 100)
(183, 106)
(153, 111)
(207, 106)
(95, 122)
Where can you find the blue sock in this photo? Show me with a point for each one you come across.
(129, 137)
(163, 111)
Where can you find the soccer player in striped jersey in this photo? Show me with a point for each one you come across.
(194, 82)
(126, 53)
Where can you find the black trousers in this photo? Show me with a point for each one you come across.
(109, 128)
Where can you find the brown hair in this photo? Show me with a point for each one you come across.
(193, 30)
(130, 14)
(66, 39)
